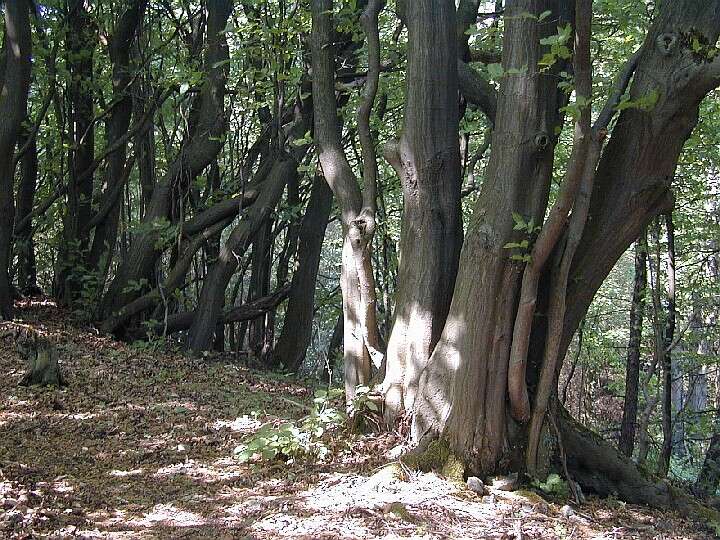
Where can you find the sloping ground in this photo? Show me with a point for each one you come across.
(140, 445)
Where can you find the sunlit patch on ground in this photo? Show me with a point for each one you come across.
(140, 446)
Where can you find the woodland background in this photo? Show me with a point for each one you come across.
(161, 181)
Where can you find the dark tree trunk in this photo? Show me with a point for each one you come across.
(709, 477)
(464, 387)
(24, 244)
(427, 159)
(207, 127)
(105, 237)
(334, 350)
(298, 323)
(463, 390)
(14, 89)
(666, 353)
(212, 296)
(82, 40)
(261, 267)
(632, 368)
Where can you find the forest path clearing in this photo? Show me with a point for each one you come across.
(140, 445)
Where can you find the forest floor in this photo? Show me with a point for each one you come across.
(141, 445)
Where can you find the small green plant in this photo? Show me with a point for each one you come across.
(304, 439)
(553, 485)
(524, 246)
(558, 47)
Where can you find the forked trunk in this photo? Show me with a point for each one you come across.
(463, 390)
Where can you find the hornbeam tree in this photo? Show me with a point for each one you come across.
(525, 282)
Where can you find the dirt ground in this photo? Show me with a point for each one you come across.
(141, 445)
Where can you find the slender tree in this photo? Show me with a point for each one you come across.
(632, 368)
(14, 88)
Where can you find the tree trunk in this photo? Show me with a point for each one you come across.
(207, 128)
(666, 345)
(212, 296)
(297, 328)
(709, 477)
(463, 390)
(13, 108)
(464, 387)
(24, 244)
(82, 40)
(632, 369)
(361, 336)
(427, 160)
(261, 267)
(119, 45)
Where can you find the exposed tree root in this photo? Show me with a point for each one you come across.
(601, 469)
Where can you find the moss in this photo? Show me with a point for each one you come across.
(454, 469)
(706, 514)
(531, 496)
(400, 511)
(437, 457)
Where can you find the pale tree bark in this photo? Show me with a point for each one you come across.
(427, 160)
(14, 89)
(361, 336)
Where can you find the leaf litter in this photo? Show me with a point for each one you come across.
(140, 445)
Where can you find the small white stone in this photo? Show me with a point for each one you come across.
(505, 483)
(476, 485)
(567, 511)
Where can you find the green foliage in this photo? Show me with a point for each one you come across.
(553, 485)
(559, 49)
(643, 103)
(524, 246)
(307, 438)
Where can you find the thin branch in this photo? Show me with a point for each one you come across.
(610, 108)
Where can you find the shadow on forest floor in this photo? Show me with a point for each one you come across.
(140, 445)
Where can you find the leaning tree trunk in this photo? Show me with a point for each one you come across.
(633, 179)
(212, 295)
(297, 328)
(208, 123)
(632, 369)
(427, 160)
(14, 87)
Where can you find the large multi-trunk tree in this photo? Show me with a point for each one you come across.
(470, 377)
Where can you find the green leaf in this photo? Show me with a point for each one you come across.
(495, 70)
